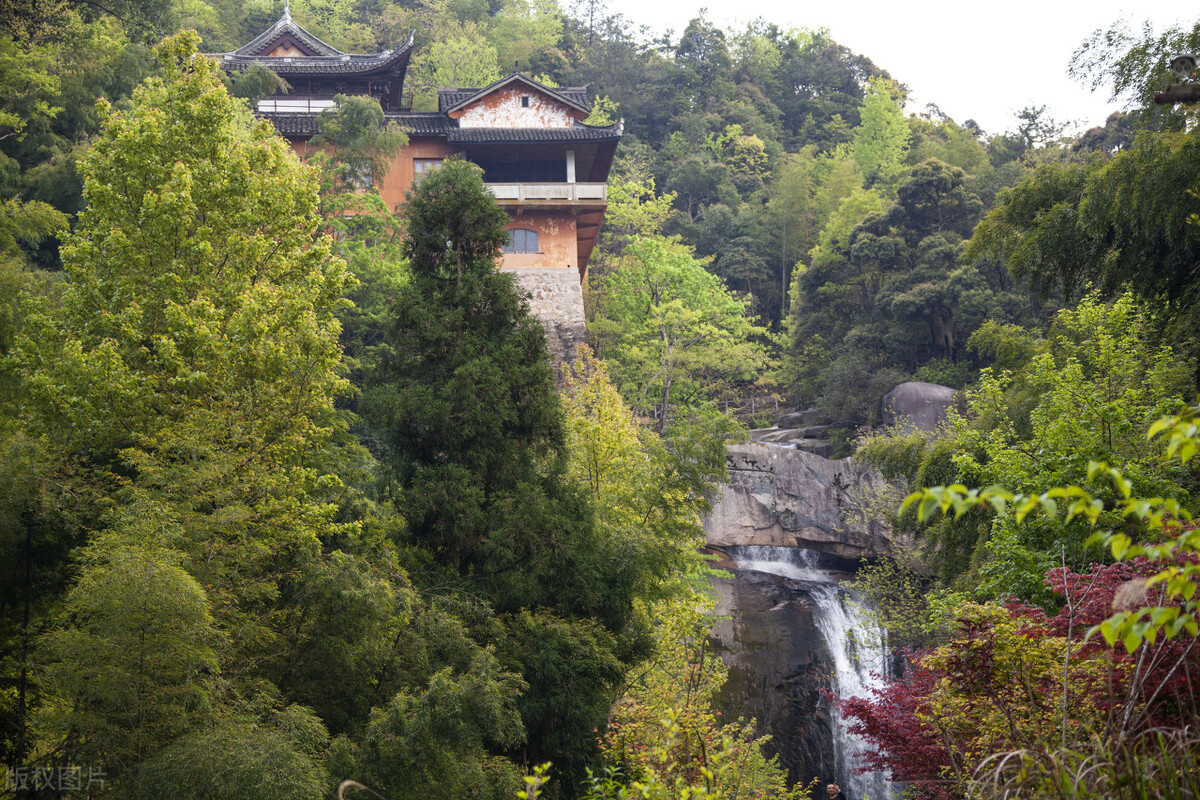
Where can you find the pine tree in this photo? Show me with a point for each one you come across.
(476, 446)
(473, 430)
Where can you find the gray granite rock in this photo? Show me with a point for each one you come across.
(921, 405)
(779, 668)
(800, 419)
(818, 447)
(777, 433)
(788, 497)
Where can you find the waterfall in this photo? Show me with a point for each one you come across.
(857, 647)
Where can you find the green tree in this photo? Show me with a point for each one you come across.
(648, 498)
(362, 143)
(464, 394)
(273, 758)
(881, 139)
(136, 665)
(436, 737)
(1134, 65)
(672, 333)
(189, 372)
(702, 57)
(1118, 224)
(467, 60)
(1083, 392)
(523, 30)
(887, 295)
(475, 449)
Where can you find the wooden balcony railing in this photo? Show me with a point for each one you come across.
(295, 104)
(549, 192)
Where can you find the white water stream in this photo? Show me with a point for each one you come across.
(857, 646)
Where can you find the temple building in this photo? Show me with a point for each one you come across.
(541, 161)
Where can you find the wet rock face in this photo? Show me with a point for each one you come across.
(778, 669)
(791, 498)
(921, 405)
(807, 437)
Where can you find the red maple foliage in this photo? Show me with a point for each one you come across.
(1156, 686)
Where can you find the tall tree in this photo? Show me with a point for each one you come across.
(189, 373)
(1136, 64)
(1119, 223)
(475, 446)
(673, 334)
(465, 393)
(881, 140)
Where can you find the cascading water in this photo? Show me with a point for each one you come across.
(856, 646)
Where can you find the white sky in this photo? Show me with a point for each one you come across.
(976, 60)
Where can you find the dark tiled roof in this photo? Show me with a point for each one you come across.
(325, 58)
(346, 64)
(294, 124)
(413, 123)
(285, 26)
(452, 97)
(434, 124)
(449, 99)
(576, 133)
(423, 123)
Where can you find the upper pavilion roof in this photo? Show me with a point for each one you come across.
(288, 49)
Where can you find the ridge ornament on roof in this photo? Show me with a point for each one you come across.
(306, 54)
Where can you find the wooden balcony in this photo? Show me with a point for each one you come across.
(551, 194)
(295, 104)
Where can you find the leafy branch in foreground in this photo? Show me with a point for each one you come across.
(1169, 538)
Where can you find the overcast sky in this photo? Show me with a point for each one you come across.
(976, 60)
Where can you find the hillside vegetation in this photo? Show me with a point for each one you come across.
(289, 495)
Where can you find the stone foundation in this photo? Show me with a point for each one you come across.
(556, 301)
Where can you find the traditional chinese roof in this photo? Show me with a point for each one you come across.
(439, 125)
(456, 99)
(576, 133)
(317, 57)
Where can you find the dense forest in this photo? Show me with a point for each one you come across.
(291, 495)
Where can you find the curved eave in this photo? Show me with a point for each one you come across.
(345, 64)
(576, 133)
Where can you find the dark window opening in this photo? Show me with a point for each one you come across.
(521, 240)
(498, 171)
(524, 102)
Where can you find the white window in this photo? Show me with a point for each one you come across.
(521, 240)
(424, 166)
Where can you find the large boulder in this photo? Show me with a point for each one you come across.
(923, 406)
(787, 497)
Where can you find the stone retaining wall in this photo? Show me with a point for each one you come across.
(556, 301)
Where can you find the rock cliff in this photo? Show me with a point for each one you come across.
(791, 498)
(779, 670)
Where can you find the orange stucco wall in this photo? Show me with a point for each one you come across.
(556, 240)
(400, 177)
(555, 227)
